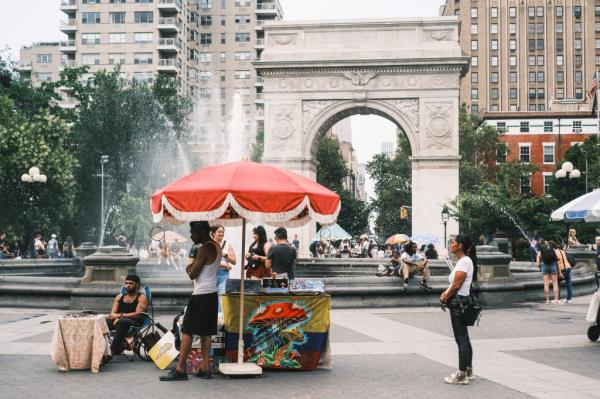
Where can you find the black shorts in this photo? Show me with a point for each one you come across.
(201, 315)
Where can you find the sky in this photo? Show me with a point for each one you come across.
(27, 21)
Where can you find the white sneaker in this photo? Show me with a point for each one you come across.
(555, 302)
(458, 378)
(470, 374)
(569, 301)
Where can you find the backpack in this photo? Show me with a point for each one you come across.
(548, 255)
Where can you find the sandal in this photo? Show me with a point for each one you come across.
(547, 303)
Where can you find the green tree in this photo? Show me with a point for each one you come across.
(393, 189)
(331, 171)
(258, 147)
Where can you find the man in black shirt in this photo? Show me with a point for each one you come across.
(282, 256)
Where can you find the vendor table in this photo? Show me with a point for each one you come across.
(79, 342)
(280, 331)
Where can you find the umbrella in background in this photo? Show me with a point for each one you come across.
(170, 237)
(243, 191)
(333, 233)
(585, 208)
(424, 239)
(397, 239)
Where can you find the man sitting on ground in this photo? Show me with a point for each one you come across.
(126, 311)
(281, 258)
(413, 263)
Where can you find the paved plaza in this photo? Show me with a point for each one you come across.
(529, 350)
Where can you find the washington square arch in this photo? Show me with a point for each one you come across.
(405, 70)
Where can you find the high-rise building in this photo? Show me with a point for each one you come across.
(525, 53)
(343, 130)
(388, 148)
(144, 37)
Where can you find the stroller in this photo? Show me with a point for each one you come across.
(593, 314)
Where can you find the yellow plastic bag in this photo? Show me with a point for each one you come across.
(164, 352)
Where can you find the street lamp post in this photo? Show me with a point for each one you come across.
(445, 219)
(103, 160)
(33, 176)
(567, 171)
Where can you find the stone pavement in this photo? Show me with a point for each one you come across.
(526, 351)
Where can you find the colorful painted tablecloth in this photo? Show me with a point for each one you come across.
(79, 342)
(280, 331)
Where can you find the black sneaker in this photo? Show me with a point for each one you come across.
(206, 375)
(404, 288)
(425, 286)
(174, 375)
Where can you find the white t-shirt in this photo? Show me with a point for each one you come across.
(416, 258)
(465, 264)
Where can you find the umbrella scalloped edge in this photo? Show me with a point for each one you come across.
(287, 219)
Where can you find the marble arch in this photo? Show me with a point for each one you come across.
(406, 70)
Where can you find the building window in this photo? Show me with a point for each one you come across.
(474, 12)
(205, 4)
(494, 60)
(242, 74)
(513, 108)
(494, 28)
(540, 44)
(531, 12)
(90, 59)
(559, 44)
(116, 58)
(494, 108)
(548, 153)
(576, 126)
(526, 185)
(577, 27)
(532, 96)
(205, 58)
(559, 11)
(44, 76)
(90, 17)
(245, 56)
(532, 76)
(532, 107)
(577, 44)
(597, 43)
(90, 38)
(531, 60)
(474, 77)
(474, 61)
(539, 28)
(242, 19)
(494, 77)
(223, 38)
(494, 94)
(540, 77)
(142, 58)
(474, 45)
(541, 93)
(144, 17)
(513, 93)
(531, 45)
(205, 76)
(548, 126)
(242, 37)
(531, 29)
(474, 94)
(540, 60)
(524, 153)
(501, 153)
(513, 60)
(547, 180)
(494, 44)
(116, 37)
(242, 3)
(501, 126)
(44, 58)
(223, 57)
(205, 20)
(116, 17)
(143, 77)
(597, 11)
(474, 109)
(539, 11)
(560, 93)
(142, 37)
(597, 27)
(559, 27)
(524, 128)
(494, 12)
(598, 60)
(90, 1)
(559, 60)
(223, 20)
(512, 44)
(577, 11)
(512, 29)
(579, 93)
(473, 29)
(206, 38)
(512, 12)
(223, 76)
(512, 77)
(578, 60)
(578, 77)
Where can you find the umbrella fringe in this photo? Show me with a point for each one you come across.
(283, 219)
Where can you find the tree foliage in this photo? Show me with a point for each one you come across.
(331, 171)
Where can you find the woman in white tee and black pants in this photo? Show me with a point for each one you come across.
(459, 292)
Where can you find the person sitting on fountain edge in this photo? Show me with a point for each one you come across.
(413, 263)
(393, 268)
(126, 311)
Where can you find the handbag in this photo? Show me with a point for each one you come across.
(470, 313)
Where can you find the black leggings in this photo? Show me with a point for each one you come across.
(461, 334)
(121, 330)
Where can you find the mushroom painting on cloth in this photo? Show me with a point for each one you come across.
(277, 330)
(282, 332)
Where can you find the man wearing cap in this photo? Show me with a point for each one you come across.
(125, 312)
(200, 316)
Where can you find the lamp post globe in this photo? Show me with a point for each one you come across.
(445, 219)
(33, 176)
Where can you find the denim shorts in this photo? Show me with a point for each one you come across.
(549, 268)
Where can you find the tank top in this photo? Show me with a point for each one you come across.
(206, 282)
(125, 307)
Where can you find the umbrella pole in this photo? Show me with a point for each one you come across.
(240, 357)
